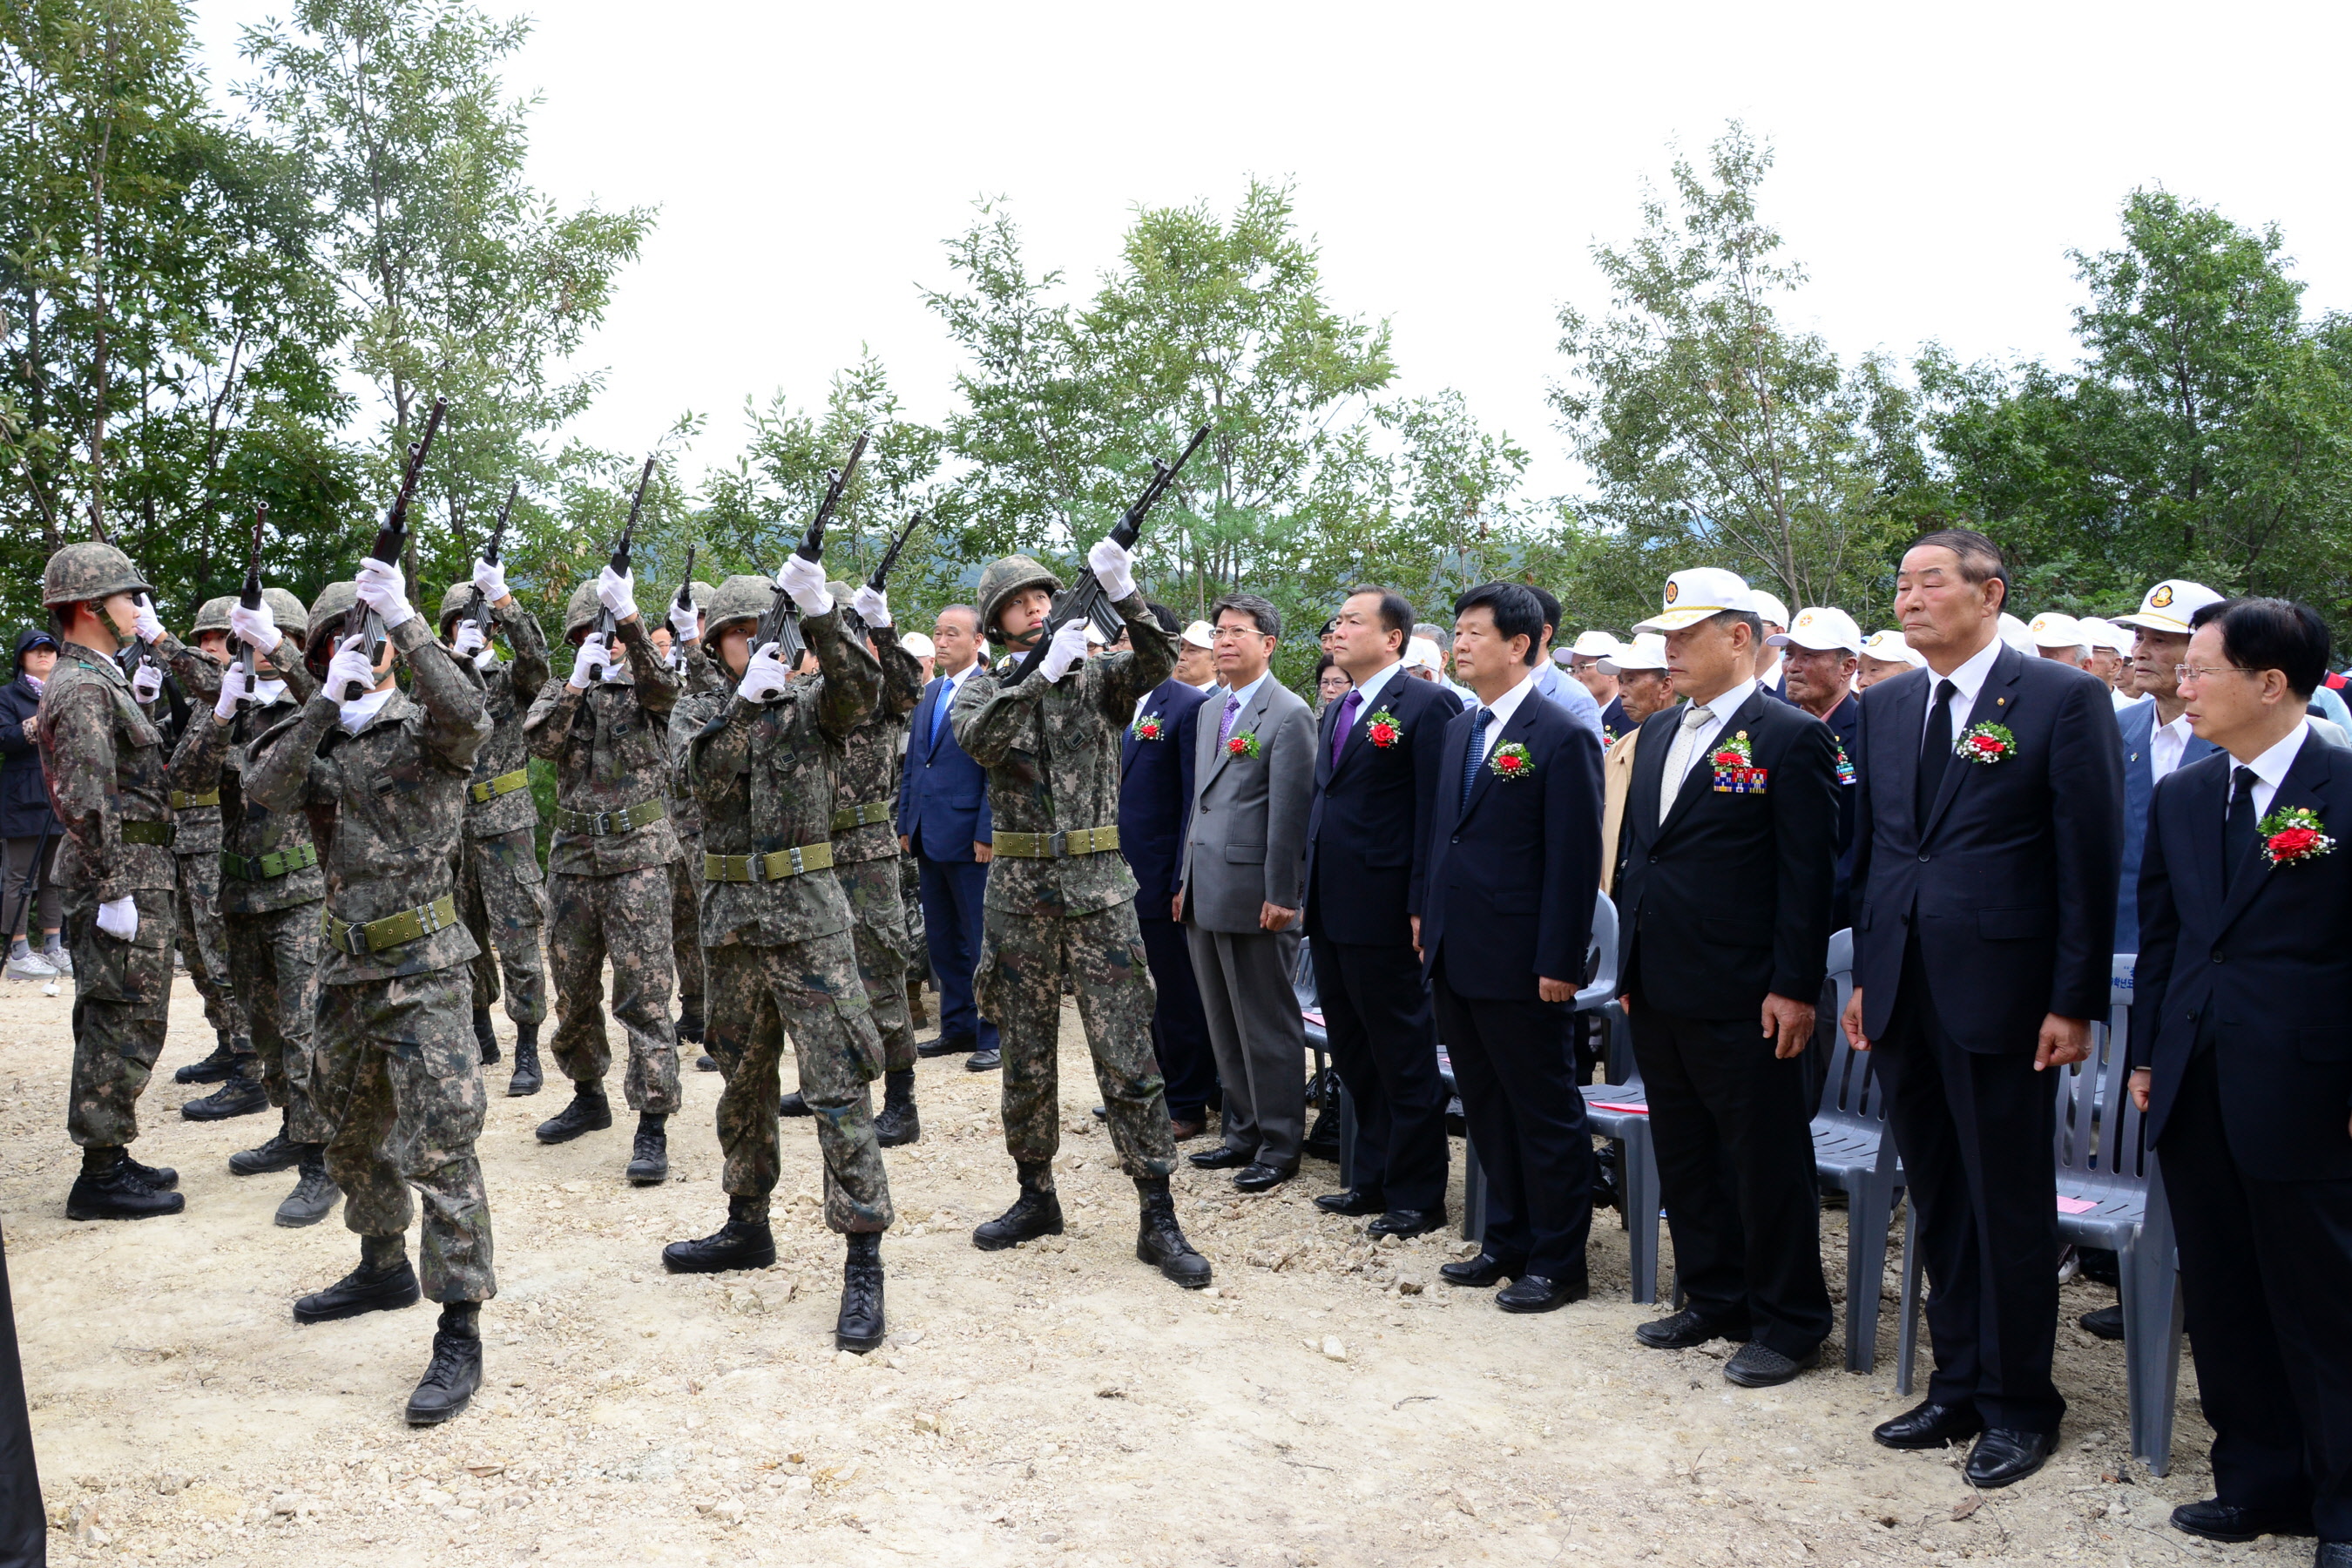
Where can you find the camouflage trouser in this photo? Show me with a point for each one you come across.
(686, 923)
(811, 990)
(503, 901)
(273, 961)
(122, 995)
(204, 945)
(883, 962)
(1023, 962)
(626, 917)
(401, 1078)
(910, 898)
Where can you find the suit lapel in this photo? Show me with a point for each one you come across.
(1450, 811)
(1690, 788)
(1996, 704)
(2304, 786)
(1244, 723)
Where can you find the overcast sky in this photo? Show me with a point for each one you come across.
(1455, 164)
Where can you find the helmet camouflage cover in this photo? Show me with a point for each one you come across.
(580, 611)
(739, 598)
(1003, 581)
(88, 570)
(213, 616)
(326, 612)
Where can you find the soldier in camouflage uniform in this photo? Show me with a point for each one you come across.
(776, 928)
(679, 641)
(501, 893)
(1060, 904)
(605, 730)
(110, 787)
(271, 885)
(399, 1074)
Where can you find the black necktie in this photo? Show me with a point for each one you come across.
(2238, 835)
(1934, 754)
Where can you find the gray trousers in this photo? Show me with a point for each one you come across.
(1259, 1040)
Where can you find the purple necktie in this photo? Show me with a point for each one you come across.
(1348, 706)
(1233, 711)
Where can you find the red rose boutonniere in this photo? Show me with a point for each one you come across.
(2294, 834)
(1382, 730)
(1511, 760)
(1242, 745)
(1147, 727)
(1986, 745)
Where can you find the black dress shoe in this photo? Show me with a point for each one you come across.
(1480, 1271)
(1353, 1202)
(948, 1046)
(1221, 1159)
(983, 1061)
(2217, 1520)
(1761, 1366)
(1685, 1329)
(1534, 1293)
(1406, 1224)
(2107, 1323)
(2005, 1455)
(1256, 1178)
(1929, 1425)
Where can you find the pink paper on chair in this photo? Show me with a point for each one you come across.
(1312, 1017)
(2075, 1205)
(1607, 1105)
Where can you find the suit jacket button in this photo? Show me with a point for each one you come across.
(1925, 858)
(2217, 956)
(1456, 839)
(1654, 859)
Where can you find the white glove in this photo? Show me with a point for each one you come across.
(470, 637)
(381, 590)
(765, 677)
(684, 623)
(119, 918)
(255, 628)
(589, 662)
(871, 605)
(491, 580)
(805, 580)
(485, 658)
(350, 664)
(143, 623)
(1114, 568)
(617, 592)
(233, 691)
(147, 682)
(1067, 651)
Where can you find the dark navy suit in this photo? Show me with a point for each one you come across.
(943, 809)
(1155, 801)
(1846, 722)
(2136, 731)
(1514, 868)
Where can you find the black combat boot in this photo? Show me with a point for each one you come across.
(276, 1152)
(212, 1069)
(384, 1282)
(162, 1178)
(690, 1022)
(314, 1195)
(241, 1094)
(743, 1242)
(793, 1105)
(589, 1111)
(109, 1188)
(649, 1153)
(897, 1123)
(860, 1328)
(449, 1384)
(526, 1079)
(486, 1036)
(1160, 1240)
(1036, 1213)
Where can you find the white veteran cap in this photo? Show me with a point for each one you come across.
(1421, 653)
(1646, 651)
(2100, 632)
(1820, 627)
(1595, 645)
(1199, 635)
(920, 645)
(1769, 608)
(2170, 605)
(1692, 596)
(1890, 646)
(2015, 633)
(2052, 629)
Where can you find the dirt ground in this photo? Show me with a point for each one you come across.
(1327, 1403)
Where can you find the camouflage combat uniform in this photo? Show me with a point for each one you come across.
(701, 679)
(109, 785)
(195, 850)
(1052, 755)
(779, 951)
(399, 1073)
(866, 855)
(609, 890)
(501, 893)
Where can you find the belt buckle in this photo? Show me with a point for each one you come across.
(600, 823)
(756, 863)
(1057, 845)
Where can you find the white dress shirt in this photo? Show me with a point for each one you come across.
(1237, 699)
(1369, 691)
(2166, 743)
(2271, 769)
(1503, 707)
(1693, 742)
(1968, 679)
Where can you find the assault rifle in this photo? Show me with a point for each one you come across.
(1086, 599)
(477, 608)
(605, 625)
(684, 601)
(890, 556)
(251, 597)
(782, 624)
(392, 536)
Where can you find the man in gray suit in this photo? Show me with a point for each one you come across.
(1244, 865)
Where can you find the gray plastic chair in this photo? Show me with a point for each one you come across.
(2104, 1161)
(1853, 1153)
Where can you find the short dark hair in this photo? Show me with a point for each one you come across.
(1261, 612)
(1396, 610)
(2284, 634)
(1323, 662)
(1748, 618)
(1518, 612)
(1980, 556)
(1550, 606)
(1164, 616)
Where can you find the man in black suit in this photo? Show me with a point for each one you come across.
(2243, 1060)
(1379, 758)
(1514, 867)
(1730, 832)
(1155, 801)
(1989, 834)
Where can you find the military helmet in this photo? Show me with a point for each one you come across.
(1004, 579)
(701, 592)
(580, 611)
(86, 570)
(213, 616)
(740, 598)
(326, 612)
(455, 600)
(292, 619)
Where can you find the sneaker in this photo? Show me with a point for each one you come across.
(24, 963)
(57, 957)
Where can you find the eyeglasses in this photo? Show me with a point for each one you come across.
(2193, 672)
(1234, 634)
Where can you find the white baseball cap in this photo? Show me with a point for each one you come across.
(919, 645)
(2168, 605)
(1692, 596)
(1646, 651)
(1891, 647)
(1423, 654)
(2015, 634)
(1820, 627)
(1200, 635)
(1769, 608)
(2053, 629)
(2100, 632)
(1595, 645)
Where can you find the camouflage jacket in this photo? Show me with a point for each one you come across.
(610, 749)
(763, 772)
(105, 765)
(200, 680)
(868, 762)
(211, 757)
(1052, 755)
(706, 689)
(398, 790)
(507, 690)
